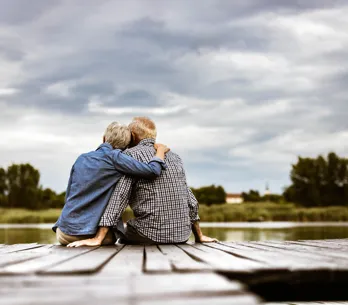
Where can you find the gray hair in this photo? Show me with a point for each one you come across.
(144, 128)
(118, 135)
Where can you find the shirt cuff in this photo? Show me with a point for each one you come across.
(195, 219)
(160, 161)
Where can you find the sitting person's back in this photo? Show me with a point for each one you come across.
(92, 181)
(165, 209)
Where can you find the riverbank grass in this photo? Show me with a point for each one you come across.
(266, 211)
(24, 216)
(245, 212)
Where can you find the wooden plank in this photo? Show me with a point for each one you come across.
(299, 250)
(18, 247)
(323, 245)
(301, 265)
(304, 259)
(92, 290)
(303, 250)
(247, 299)
(68, 289)
(282, 264)
(311, 245)
(181, 261)
(184, 285)
(88, 262)
(129, 261)
(156, 261)
(21, 256)
(52, 257)
(307, 303)
(221, 261)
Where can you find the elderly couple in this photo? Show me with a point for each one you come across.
(147, 176)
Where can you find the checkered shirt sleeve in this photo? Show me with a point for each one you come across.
(117, 203)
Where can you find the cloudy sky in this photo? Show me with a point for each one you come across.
(238, 88)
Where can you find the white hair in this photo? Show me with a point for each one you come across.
(118, 135)
(144, 128)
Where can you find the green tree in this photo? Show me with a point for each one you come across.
(23, 186)
(210, 194)
(3, 187)
(319, 182)
(252, 196)
(49, 199)
(273, 198)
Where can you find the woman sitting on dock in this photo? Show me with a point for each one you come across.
(92, 180)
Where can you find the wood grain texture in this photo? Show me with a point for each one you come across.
(174, 274)
(18, 247)
(156, 261)
(181, 261)
(51, 257)
(120, 290)
(221, 261)
(129, 261)
(247, 299)
(284, 258)
(7, 259)
(88, 262)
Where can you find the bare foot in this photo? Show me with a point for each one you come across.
(91, 242)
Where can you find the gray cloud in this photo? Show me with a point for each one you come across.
(239, 89)
(17, 12)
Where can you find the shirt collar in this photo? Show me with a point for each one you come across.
(105, 145)
(147, 142)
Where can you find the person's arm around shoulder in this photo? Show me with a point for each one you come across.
(130, 166)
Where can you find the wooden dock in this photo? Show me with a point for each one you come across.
(224, 273)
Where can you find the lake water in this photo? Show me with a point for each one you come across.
(42, 233)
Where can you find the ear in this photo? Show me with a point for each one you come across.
(134, 138)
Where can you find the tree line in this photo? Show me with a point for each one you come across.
(20, 188)
(254, 196)
(315, 182)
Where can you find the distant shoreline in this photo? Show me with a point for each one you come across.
(254, 214)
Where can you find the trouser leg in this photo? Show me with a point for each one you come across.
(133, 237)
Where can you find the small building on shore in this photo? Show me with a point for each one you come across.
(234, 198)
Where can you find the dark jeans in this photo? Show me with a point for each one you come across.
(131, 236)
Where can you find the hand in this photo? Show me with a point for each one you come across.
(91, 242)
(162, 147)
(206, 239)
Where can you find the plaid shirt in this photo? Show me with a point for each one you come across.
(164, 208)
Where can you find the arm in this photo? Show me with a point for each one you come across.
(130, 166)
(199, 237)
(117, 203)
(193, 204)
(69, 184)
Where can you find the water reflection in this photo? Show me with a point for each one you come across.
(27, 235)
(255, 232)
(260, 234)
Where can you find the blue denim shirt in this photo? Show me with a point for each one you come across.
(92, 180)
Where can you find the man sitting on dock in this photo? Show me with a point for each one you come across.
(165, 209)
